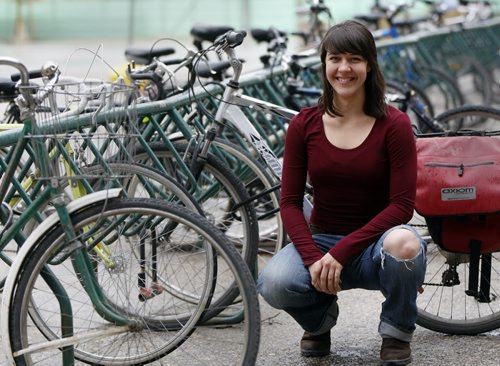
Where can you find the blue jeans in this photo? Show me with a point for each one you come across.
(285, 283)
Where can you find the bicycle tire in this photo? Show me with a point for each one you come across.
(475, 117)
(256, 178)
(136, 181)
(211, 342)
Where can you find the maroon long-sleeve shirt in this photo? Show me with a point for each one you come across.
(359, 193)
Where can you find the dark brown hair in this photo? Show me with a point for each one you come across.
(354, 38)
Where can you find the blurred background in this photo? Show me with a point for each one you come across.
(45, 20)
(62, 31)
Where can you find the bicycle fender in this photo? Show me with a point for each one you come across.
(16, 267)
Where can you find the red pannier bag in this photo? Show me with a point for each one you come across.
(458, 191)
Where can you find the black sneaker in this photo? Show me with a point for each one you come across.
(315, 345)
(395, 352)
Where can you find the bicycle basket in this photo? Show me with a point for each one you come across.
(83, 126)
(458, 191)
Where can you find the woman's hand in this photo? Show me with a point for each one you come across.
(325, 275)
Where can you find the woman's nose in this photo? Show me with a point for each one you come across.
(344, 64)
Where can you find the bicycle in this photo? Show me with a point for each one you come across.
(136, 180)
(216, 202)
(170, 126)
(444, 28)
(55, 266)
(141, 179)
(229, 110)
(468, 117)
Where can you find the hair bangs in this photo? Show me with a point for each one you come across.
(345, 40)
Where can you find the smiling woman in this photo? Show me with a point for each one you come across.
(353, 43)
(359, 156)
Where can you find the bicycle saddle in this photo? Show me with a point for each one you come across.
(201, 32)
(212, 69)
(8, 89)
(266, 35)
(145, 56)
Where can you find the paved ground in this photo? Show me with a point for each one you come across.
(354, 340)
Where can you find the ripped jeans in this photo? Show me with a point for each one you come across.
(285, 283)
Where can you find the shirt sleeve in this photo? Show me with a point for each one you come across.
(292, 192)
(400, 144)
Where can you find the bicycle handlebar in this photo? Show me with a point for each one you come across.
(32, 74)
(23, 71)
(230, 39)
(24, 76)
(235, 38)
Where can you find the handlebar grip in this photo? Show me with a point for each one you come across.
(235, 38)
(32, 74)
(143, 76)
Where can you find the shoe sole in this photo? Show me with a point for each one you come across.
(405, 361)
(314, 353)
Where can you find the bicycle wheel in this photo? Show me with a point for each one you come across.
(219, 192)
(142, 329)
(263, 190)
(444, 305)
(224, 202)
(479, 118)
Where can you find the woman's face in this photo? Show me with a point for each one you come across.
(346, 73)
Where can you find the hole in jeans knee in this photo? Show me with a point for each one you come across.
(402, 244)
